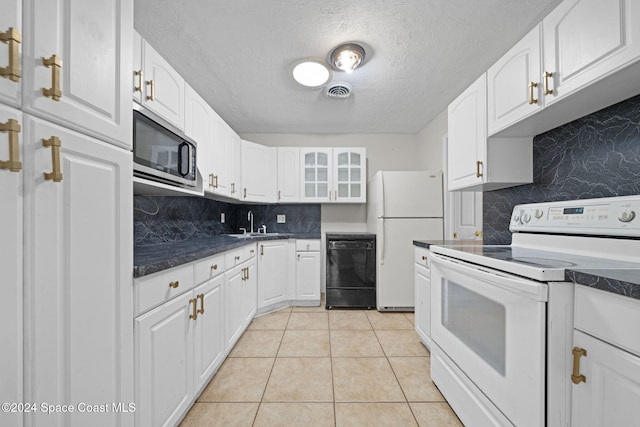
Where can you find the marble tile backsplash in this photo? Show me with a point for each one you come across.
(159, 219)
(595, 156)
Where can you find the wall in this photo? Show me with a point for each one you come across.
(384, 152)
(595, 156)
(430, 149)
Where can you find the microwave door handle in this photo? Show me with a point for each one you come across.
(181, 157)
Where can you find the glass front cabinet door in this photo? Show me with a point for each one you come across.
(316, 173)
(333, 175)
(350, 175)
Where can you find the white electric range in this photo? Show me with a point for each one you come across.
(502, 316)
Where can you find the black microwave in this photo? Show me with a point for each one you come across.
(161, 154)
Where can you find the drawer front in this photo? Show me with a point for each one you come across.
(308, 245)
(208, 268)
(423, 257)
(248, 251)
(158, 288)
(238, 256)
(612, 318)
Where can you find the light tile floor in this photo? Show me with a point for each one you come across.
(309, 367)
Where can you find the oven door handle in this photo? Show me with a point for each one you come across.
(529, 288)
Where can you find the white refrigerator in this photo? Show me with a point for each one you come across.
(402, 206)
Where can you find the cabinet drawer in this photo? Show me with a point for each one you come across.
(423, 257)
(610, 317)
(161, 287)
(208, 268)
(238, 256)
(308, 245)
(248, 252)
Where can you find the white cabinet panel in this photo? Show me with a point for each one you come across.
(137, 76)
(316, 174)
(288, 174)
(259, 173)
(219, 173)
(233, 313)
(273, 272)
(91, 42)
(163, 87)
(79, 294)
(349, 175)
(11, 52)
(208, 331)
(423, 301)
(11, 254)
(308, 276)
(235, 180)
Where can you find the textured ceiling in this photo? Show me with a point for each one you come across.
(420, 55)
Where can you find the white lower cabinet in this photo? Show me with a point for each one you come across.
(307, 271)
(78, 299)
(423, 295)
(208, 343)
(240, 295)
(273, 272)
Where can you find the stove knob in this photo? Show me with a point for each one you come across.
(526, 218)
(538, 213)
(626, 216)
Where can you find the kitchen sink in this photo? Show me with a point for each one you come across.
(256, 234)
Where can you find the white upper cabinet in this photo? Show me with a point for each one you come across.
(585, 40)
(467, 145)
(163, 91)
(76, 56)
(137, 82)
(219, 174)
(349, 175)
(235, 166)
(11, 52)
(259, 174)
(198, 126)
(288, 174)
(476, 162)
(330, 175)
(513, 83)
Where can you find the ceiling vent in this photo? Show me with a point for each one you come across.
(338, 90)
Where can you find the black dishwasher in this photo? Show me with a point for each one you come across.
(351, 270)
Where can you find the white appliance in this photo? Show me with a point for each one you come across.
(403, 206)
(502, 316)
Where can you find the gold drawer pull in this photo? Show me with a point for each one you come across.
(194, 313)
(547, 90)
(210, 180)
(237, 257)
(215, 182)
(576, 377)
(152, 92)
(13, 128)
(174, 285)
(55, 63)
(233, 188)
(214, 267)
(201, 298)
(478, 166)
(245, 193)
(261, 249)
(13, 39)
(532, 100)
(55, 175)
(424, 257)
(138, 74)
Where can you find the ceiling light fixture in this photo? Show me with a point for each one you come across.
(311, 72)
(347, 57)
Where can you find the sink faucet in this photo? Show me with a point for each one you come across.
(262, 229)
(250, 218)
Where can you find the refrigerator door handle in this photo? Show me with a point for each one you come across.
(382, 201)
(382, 242)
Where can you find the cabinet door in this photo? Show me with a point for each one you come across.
(208, 332)
(220, 159)
(513, 85)
(316, 174)
(273, 272)
(611, 392)
(308, 276)
(235, 146)
(164, 352)
(78, 284)
(423, 303)
(233, 302)
(163, 87)
(11, 230)
(91, 42)
(137, 82)
(250, 293)
(288, 174)
(585, 40)
(466, 156)
(259, 174)
(11, 52)
(197, 126)
(349, 175)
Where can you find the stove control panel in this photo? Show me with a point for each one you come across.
(612, 216)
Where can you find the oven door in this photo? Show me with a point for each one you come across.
(492, 326)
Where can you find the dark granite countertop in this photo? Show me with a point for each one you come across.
(428, 243)
(623, 281)
(148, 259)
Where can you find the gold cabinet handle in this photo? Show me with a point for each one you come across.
(532, 86)
(247, 268)
(13, 39)
(261, 249)
(424, 257)
(216, 181)
(55, 175)
(547, 90)
(152, 92)
(455, 235)
(252, 251)
(233, 188)
(138, 74)
(201, 298)
(478, 233)
(298, 257)
(55, 63)
(210, 180)
(13, 128)
(194, 313)
(174, 285)
(245, 192)
(478, 167)
(237, 257)
(214, 267)
(279, 194)
(576, 377)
